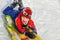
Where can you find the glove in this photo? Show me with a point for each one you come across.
(30, 35)
(25, 25)
(34, 31)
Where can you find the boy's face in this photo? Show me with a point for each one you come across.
(24, 20)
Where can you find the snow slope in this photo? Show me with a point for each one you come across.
(46, 15)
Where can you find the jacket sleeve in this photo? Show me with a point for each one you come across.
(18, 24)
(31, 24)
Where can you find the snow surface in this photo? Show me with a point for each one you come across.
(46, 15)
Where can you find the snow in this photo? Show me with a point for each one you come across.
(46, 15)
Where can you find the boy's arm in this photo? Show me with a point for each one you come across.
(18, 24)
(32, 26)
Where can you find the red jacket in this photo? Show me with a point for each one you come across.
(19, 24)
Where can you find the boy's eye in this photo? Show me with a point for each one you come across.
(25, 13)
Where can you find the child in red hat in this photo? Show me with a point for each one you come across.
(23, 20)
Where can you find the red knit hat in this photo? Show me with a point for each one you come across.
(27, 12)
